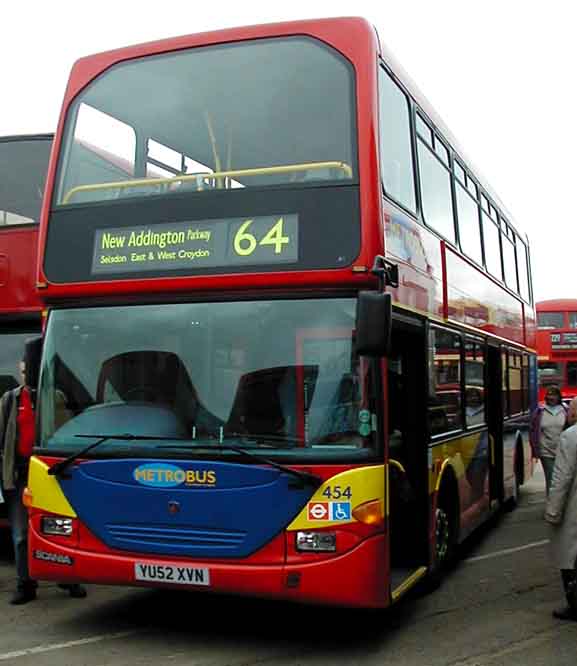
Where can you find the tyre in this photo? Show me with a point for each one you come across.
(445, 547)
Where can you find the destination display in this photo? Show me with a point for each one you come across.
(199, 244)
(563, 341)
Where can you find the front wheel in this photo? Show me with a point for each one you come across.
(446, 515)
(443, 541)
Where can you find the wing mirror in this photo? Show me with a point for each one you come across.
(373, 325)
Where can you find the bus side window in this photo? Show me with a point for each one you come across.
(445, 413)
(395, 142)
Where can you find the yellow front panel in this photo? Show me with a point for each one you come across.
(353, 488)
(45, 490)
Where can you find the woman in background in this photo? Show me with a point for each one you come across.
(547, 423)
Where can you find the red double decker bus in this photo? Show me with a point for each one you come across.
(23, 165)
(227, 402)
(557, 346)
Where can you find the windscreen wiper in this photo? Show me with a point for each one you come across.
(307, 477)
(259, 437)
(60, 466)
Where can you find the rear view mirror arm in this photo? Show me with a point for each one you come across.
(386, 271)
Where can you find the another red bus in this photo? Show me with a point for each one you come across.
(557, 346)
(218, 406)
(23, 165)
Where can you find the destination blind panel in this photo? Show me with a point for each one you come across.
(271, 239)
(563, 341)
(322, 225)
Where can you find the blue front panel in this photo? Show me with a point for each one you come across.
(175, 507)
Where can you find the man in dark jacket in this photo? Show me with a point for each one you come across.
(16, 442)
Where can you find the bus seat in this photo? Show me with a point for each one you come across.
(149, 376)
(257, 406)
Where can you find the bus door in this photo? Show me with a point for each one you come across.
(406, 457)
(495, 422)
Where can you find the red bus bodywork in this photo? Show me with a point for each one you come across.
(557, 346)
(22, 174)
(435, 280)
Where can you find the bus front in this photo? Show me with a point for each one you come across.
(204, 418)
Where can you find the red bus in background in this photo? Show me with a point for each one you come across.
(23, 165)
(207, 416)
(557, 346)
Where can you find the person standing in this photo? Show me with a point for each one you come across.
(561, 513)
(547, 423)
(16, 442)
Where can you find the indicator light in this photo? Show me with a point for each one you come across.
(369, 513)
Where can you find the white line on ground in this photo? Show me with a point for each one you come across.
(61, 646)
(508, 551)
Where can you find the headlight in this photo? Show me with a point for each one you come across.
(56, 526)
(319, 542)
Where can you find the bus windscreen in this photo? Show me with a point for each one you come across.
(272, 112)
(281, 375)
(23, 164)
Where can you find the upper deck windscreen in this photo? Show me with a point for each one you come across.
(209, 145)
(252, 106)
(23, 164)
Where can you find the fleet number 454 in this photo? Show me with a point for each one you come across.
(246, 243)
(337, 492)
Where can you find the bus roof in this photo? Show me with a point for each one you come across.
(557, 305)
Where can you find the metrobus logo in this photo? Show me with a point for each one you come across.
(164, 475)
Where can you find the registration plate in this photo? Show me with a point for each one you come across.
(171, 573)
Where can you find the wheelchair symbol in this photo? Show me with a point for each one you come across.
(341, 510)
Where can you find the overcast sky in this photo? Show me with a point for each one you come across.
(501, 73)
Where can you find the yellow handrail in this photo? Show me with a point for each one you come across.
(238, 173)
(397, 464)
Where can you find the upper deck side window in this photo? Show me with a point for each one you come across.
(491, 238)
(397, 172)
(509, 256)
(258, 113)
(459, 172)
(523, 269)
(435, 181)
(482, 236)
(441, 150)
(23, 164)
(468, 214)
(550, 320)
(424, 132)
(476, 226)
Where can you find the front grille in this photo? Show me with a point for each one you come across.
(180, 538)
